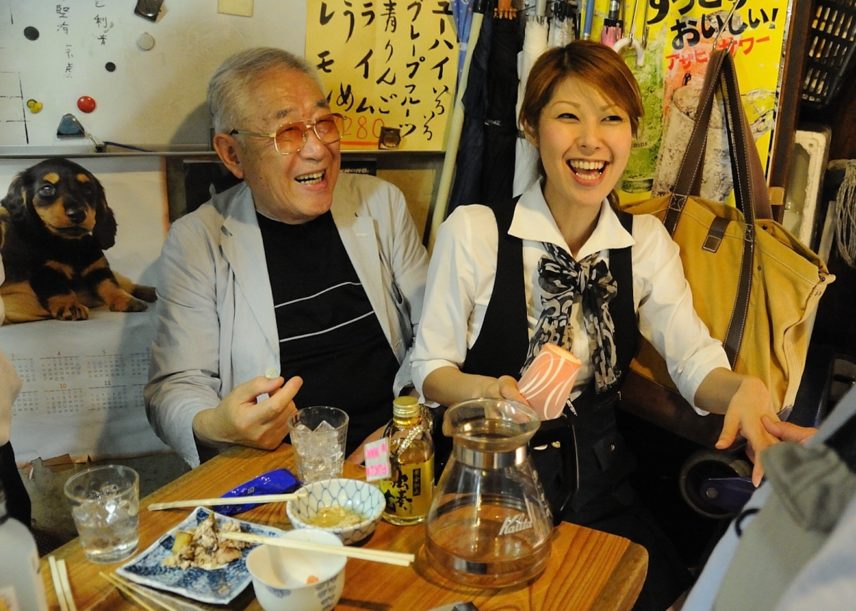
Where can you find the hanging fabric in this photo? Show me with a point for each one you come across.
(485, 162)
(500, 117)
(456, 123)
(526, 156)
(561, 28)
(466, 187)
(535, 36)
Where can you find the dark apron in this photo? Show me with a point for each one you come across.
(585, 463)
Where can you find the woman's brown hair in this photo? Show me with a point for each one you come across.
(590, 62)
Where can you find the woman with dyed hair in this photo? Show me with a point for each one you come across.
(561, 264)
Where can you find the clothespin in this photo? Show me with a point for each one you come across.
(504, 10)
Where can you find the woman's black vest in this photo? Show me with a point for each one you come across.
(585, 478)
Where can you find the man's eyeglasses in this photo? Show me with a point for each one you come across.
(291, 137)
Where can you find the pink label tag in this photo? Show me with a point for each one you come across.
(376, 455)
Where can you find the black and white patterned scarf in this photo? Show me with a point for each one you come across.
(565, 282)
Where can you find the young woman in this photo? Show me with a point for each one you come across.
(561, 264)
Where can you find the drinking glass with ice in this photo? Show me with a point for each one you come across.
(318, 434)
(105, 505)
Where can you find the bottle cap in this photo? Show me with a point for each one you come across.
(406, 407)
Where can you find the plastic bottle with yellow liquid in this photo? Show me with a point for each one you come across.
(410, 487)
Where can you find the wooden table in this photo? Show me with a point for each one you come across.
(588, 569)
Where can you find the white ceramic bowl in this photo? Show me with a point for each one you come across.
(280, 574)
(358, 496)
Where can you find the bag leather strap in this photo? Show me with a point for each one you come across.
(688, 179)
(750, 191)
(742, 148)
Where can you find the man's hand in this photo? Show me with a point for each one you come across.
(787, 431)
(239, 419)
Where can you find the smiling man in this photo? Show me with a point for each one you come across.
(299, 286)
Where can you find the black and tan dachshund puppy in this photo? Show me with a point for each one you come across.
(56, 225)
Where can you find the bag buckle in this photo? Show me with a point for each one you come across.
(677, 202)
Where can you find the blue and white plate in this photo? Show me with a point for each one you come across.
(218, 586)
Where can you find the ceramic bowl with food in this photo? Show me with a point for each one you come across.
(348, 508)
(285, 579)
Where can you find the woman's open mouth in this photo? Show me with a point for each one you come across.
(587, 171)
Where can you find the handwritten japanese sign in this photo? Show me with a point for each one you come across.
(386, 64)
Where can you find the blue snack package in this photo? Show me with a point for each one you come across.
(278, 481)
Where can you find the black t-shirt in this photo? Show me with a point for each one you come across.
(328, 333)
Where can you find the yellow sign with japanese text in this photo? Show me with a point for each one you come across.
(668, 52)
(389, 67)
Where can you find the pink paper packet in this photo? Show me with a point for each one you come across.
(548, 380)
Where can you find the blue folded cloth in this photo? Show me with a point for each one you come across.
(278, 481)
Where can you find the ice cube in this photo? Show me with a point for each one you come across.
(324, 426)
(109, 489)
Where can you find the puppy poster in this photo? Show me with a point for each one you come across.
(56, 225)
(83, 374)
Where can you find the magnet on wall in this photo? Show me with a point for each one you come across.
(86, 103)
(69, 126)
(34, 106)
(110, 67)
(31, 33)
(146, 41)
(148, 9)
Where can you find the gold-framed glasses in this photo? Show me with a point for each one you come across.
(291, 137)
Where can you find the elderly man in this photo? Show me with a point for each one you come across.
(300, 284)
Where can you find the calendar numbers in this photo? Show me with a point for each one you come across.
(89, 383)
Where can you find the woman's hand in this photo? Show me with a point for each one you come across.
(449, 385)
(744, 400)
(504, 387)
(744, 416)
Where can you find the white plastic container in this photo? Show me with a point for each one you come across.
(21, 586)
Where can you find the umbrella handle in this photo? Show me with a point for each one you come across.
(630, 41)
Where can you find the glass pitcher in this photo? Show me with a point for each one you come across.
(489, 524)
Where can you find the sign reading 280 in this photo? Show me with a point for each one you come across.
(386, 64)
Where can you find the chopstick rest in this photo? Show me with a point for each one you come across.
(359, 553)
(221, 501)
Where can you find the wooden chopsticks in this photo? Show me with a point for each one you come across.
(129, 590)
(148, 599)
(360, 553)
(238, 500)
(62, 587)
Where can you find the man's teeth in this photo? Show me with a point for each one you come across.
(310, 178)
(587, 166)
